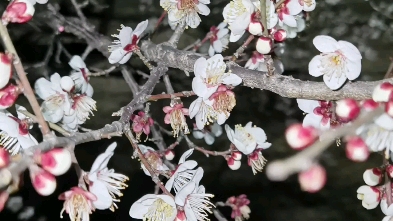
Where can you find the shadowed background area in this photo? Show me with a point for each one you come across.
(367, 24)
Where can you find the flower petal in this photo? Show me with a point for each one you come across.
(140, 28)
(325, 43)
(77, 63)
(235, 37)
(203, 9)
(126, 57)
(232, 79)
(181, 196)
(125, 36)
(384, 121)
(314, 67)
(354, 68)
(241, 23)
(209, 139)
(312, 120)
(186, 155)
(199, 87)
(200, 67)
(333, 82)
(349, 50)
(195, 106)
(116, 55)
(104, 199)
(307, 106)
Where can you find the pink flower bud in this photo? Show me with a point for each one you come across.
(264, 45)
(373, 176)
(347, 109)
(280, 35)
(389, 108)
(181, 216)
(67, 84)
(56, 161)
(18, 11)
(60, 28)
(3, 199)
(389, 170)
(369, 104)
(8, 95)
(236, 155)
(5, 69)
(4, 158)
(233, 164)
(255, 28)
(43, 182)
(169, 154)
(299, 137)
(382, 92)
(357, 150)
(313, 179)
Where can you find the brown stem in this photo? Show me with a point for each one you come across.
(207, 152)
(242, 48)
(154, 177)
(169, 96)
(263, 17)
(207, 37)
(389, 72)
(159, 21)
(388, 185)
(279, 3)
(27, 90)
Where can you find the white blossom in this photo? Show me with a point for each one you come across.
(338, 61)
(318, 113)
(154, 207)
(370, 196)
(292, 31)
(378, 135)
(258, 62)
(308, 5)
(204, 113)
(219, 40)
(153, 158)
(80, 75)
(104, 182)
(287, 11)
(237, 14)
(127, 42)
(185, 11)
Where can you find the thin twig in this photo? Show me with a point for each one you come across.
(174, 40)
(169, 96)
(28, 91)
(206, 152)
(242, 48)
(263, 17)
(279, 170)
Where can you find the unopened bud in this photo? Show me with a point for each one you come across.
(5, 69)
(280, 35)
(56, 161)
(299, 137)
(357, 150)
(233, 164)
(3, 199)
(382, 92)
(255, 28)
(313, 179)
(43, 182)
(369, 104)
(67, 84)
(347, 109)
(4, 158)
(8, 96)
(18, 11)
(236, 155)
(264, 45)
(181, 216)
(169, 154)
(373, 176)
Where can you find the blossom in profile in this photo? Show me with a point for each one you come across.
(80, 75)
(208, 133)
(370, 196)
(153, 158)
(154, 207)
(141, 123)
(250, 140)
(78, 204)
(240, 209)
(105, 183)
(175, 116)
(18, 11)
(258, 62)
(185, 11)
(219, 38)
(338, 61)
(287, 10)
(292, 32)
(308, 5)
(126, 43)
(318, 113)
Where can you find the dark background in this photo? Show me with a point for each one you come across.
(367, 24)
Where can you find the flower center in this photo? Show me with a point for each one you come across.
(307, 2)
(214, 73)
(133, 45)
(78, 206)
(187, 4)
(243, 135)
(333, 64)
(224, 102)
(158, 211)
(178, 122)
(153, 159)
(324, 110)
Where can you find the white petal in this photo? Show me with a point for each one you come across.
(186, 155)
(314, 66)
(141, 206)
(140, 28)
(199, 87)
(221, 118)
(125, 36)
(195, 106)
(203, 9)
(232, 79)
(294, 7)
(200, 121)
(325, 43)
(258, 134)
(181, 196)
(77, 63)
(89, 91)
(192, 19)
(10, 126)
(333, 82)
(126, 57)
(388, 211)
(354, 68)
(387, 218)
(217, 45)
(200, 67)
(221, 26)
(222, 32)
(235, 38)
(230, 133)
(43, 88)
(349, 50)
(26, 141)
(384, 121)
(116, 55)
(289, 20)
(209, 139)
(307, 106)
(211, 51)
(241, 23)
(312, 120)
(104, 199)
